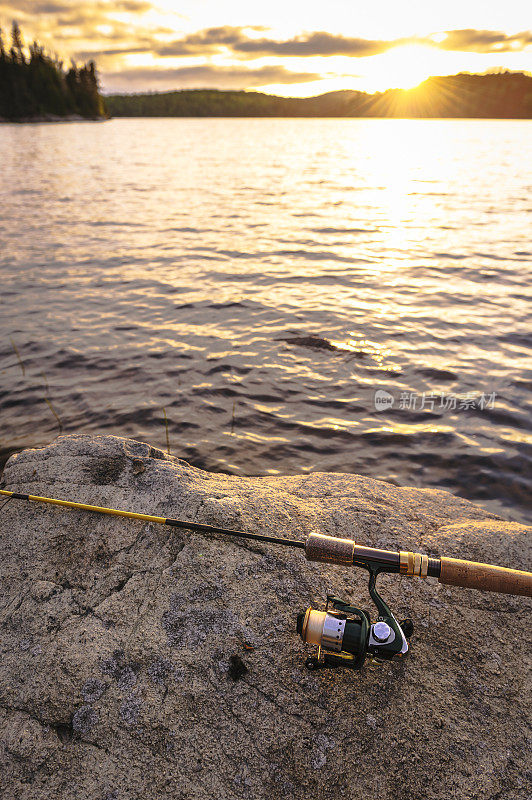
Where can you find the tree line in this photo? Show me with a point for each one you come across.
(35, 85)
(493, 95)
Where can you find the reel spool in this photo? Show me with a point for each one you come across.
(345, 635)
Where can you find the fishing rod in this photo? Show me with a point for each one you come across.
(344, 634)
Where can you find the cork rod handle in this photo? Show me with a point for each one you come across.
(472, 575)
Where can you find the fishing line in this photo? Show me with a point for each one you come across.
(5, 502)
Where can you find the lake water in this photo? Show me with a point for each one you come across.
(261, 279)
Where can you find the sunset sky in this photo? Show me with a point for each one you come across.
(290, 48)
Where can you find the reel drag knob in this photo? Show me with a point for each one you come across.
(381, 631)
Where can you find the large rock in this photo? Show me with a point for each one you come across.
(116, 679)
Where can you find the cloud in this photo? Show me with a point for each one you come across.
(202, 76)
(33, 7)
(213, 40)
(320, 43)
(85, 19)
(475, 41)
(124, 22)
(92, 55)
(64, 21)
(133, 6)
(317, 44)
(210, 40)
(98, 8)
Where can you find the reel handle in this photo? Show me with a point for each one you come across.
(486, 577)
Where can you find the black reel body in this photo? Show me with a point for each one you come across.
(345, 635)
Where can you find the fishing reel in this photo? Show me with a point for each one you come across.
(345, 635)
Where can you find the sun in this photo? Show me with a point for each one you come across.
(404, 67)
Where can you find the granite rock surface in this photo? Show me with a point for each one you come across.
(140, 661)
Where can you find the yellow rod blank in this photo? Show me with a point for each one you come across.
(174, 523)
(86, 507)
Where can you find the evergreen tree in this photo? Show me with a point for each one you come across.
(17, 45)
(36, 85)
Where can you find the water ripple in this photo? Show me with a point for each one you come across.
(262, 289)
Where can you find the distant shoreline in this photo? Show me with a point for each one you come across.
(302, 117)
(74, 118)
(465, 96)
(51, 118)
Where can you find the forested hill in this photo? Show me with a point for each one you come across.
(499, 95)
(33, 85)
